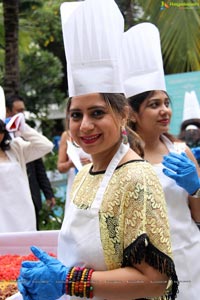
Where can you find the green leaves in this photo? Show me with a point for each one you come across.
(40, 76)
(179, 30)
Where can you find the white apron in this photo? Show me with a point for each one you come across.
(185, 234)
(75, 154)
(17, 211)
(79, 242)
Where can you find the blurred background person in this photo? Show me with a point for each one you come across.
(14, 105)
(190, 126)
(16, 206)
(38, 180)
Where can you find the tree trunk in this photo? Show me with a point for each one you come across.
(11, 25)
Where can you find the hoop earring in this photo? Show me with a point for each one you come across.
(124, 135)
(75, 145)
(72, 141)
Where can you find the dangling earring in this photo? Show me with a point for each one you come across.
(72, 141)
(124, 135)
(7, 142)
(75, 145)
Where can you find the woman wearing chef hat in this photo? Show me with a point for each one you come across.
(172, 160)
(114, 242)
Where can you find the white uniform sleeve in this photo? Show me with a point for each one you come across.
(31, 144)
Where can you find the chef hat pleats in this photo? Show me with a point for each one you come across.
(92, 40)
(142, 64)
(191, 108)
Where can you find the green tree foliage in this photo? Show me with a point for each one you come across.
(40, 77)
(48, 32)
(178, 26)
(179, 29)
(131, 11)
(41, 80)
(51, 219)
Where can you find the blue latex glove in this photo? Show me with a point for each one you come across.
(196, 152)
(182, 170)
(7, 120)
(42, 280)
(21, 281)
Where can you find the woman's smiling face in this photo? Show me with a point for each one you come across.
(93, 124)
(154, 114)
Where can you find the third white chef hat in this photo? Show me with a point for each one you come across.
(142, 64)
(191, 108)
(2, 105)
(92, 39)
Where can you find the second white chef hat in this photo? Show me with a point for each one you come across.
(142, 64)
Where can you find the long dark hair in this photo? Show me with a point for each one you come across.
(118, 103)
(135, 103)
(5, 143)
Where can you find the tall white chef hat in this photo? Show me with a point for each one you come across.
(191, 108)
(142, 64)
(92, 39)
(2, 105)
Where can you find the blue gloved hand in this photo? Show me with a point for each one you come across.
(20, 280)
(7, 120)
(182, 170)
(44, 279)
(196, 152)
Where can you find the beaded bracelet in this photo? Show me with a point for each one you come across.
(78, 282)
(69, 280)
